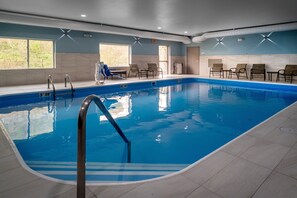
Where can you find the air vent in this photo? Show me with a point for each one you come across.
(123, 86)
(45, 94)
(154, 83)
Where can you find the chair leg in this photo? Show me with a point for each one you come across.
(246, 75)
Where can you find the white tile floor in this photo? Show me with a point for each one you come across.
(260, 163)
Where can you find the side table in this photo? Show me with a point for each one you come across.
(226, 72)
(270, 73)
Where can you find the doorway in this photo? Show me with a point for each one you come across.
(193, 59)
(163, 58)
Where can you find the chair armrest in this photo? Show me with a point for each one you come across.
(233, 69)
(242, 70)
(281, 71)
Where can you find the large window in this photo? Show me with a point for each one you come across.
(115, 54)
(26, 54)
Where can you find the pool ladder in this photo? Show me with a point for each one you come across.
(81, 140)
(50, 81)
(68, 79)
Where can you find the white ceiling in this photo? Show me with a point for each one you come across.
(174, 16)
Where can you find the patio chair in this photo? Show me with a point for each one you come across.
(288, 73)
(239, 69)
(216, 68)
(134, 69)
(258, 69)
(154, 69)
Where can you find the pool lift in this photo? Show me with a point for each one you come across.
(50, 81)
(81, 140)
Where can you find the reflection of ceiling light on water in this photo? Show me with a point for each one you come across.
(158, 139)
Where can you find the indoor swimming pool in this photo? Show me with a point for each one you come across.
(170, 126)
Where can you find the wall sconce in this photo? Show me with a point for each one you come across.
(88, 35)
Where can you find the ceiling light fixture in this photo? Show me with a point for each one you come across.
(266, 37)
(83, 15)
(219, 42)
(186, 32)
(137, 40)
(66, 34)
(159, 28)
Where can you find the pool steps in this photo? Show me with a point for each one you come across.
(105, 172)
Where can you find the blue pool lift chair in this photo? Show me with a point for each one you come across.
(107, 73)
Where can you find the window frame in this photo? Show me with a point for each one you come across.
(28, 52)
(118, 44)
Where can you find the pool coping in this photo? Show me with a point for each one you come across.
(131, 189)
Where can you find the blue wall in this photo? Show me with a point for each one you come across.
(86, 45)
(281, 43)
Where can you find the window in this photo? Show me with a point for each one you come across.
(26, 54)
(115, 54)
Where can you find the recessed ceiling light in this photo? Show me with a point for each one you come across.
(186, 32)
(83, 15)
(159, 28)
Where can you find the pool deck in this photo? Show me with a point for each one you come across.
(260, 163)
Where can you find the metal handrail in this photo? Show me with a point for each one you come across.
(81, 139)
(50, 81)
(67, 77)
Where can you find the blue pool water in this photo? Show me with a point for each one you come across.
(169, 128)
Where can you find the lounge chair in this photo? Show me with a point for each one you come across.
(154, 69)
(288, 73)
(216, 68)
(258, 69)
(239, 69)
(135, 70)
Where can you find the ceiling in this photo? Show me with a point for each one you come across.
(174, 16)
